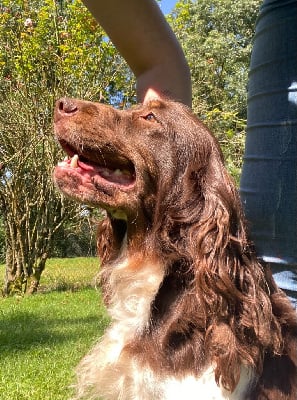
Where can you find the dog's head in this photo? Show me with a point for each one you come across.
(140, 164)
(126, 157)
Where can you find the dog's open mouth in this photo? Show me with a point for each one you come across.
(103, 165)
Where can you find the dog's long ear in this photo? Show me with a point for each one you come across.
(226, 265)
(221, 219)
(203, 228)
(229, 280)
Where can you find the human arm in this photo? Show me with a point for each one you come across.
(144, 38)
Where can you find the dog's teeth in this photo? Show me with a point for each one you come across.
(64, 163)
(105, 173)
(74, 160)
(118, 172)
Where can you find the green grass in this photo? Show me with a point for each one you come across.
(42, 337)
(69, 273)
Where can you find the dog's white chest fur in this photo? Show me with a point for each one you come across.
(205, 388)
(114, 375)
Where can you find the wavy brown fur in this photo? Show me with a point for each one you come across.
(217, 304)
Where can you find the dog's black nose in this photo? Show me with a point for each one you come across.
(66, 106)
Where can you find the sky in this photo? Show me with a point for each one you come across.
(167, 5)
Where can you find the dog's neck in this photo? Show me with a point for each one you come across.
(129, 235)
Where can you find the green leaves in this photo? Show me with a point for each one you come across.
(60, 46)
(217, 39)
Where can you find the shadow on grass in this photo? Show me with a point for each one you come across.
(64, 286)
(24, 331)
(49, 320)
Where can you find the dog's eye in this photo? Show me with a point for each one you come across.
(149, 117)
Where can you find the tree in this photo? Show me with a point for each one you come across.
(217, 37)
(48, 49)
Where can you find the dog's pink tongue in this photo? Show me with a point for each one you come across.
(119, 176)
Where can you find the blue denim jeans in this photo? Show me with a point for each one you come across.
(269, 178)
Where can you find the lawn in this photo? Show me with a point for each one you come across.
(42, 337)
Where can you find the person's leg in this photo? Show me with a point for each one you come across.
(269, 175)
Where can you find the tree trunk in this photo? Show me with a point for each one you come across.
(14, 276)
(35, 278)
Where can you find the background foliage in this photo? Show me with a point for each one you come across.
(48, 49)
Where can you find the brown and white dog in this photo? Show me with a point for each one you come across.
(194, 314)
